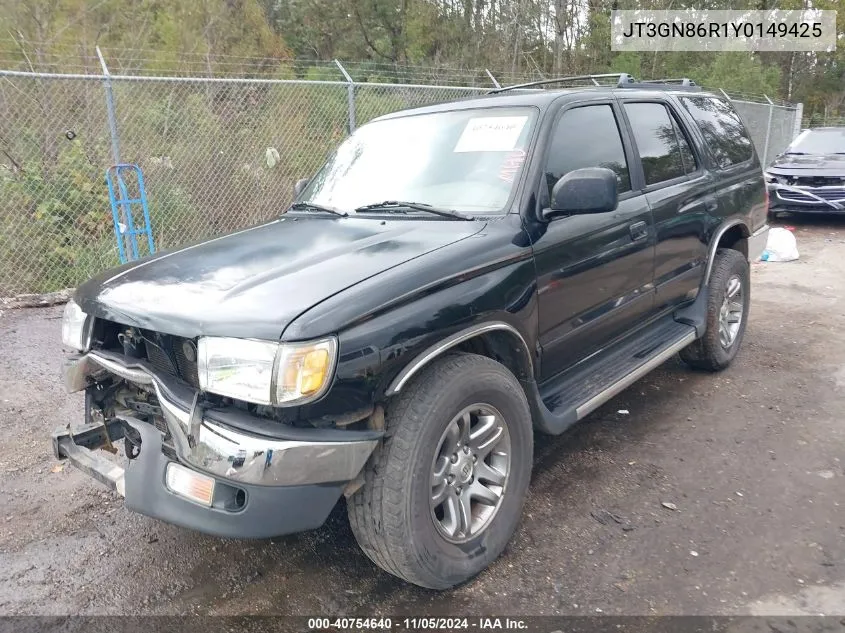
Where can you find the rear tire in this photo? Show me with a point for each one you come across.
(728, 300)
(426, 457)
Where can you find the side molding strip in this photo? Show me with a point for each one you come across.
(459, 337)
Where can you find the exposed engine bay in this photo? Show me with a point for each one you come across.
(175, 356)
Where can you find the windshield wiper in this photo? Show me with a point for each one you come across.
(310, 206)
(391, 205)
(795, 153)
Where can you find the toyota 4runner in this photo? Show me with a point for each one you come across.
(452, 279)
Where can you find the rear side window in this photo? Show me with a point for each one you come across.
(663, 149)
(690, 164)
(587, 136)
(722, 129)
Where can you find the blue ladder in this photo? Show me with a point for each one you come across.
(121, 208)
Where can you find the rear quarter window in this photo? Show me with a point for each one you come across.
(722, 130)
(664, 151)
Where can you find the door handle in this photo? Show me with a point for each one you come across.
(639, 230)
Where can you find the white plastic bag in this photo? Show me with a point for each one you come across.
(780, 246)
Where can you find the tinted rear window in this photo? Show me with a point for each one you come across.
(690, 164)
(657, 142)
(722, 129)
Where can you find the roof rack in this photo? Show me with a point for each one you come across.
(621, 79)
(682, 81)
(687, 85)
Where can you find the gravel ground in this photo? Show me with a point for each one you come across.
(752, 458)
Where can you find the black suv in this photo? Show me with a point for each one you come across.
(454, 278)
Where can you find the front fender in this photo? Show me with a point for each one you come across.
(409, 315)
(431, 353)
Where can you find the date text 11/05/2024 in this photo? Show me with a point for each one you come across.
(490, 623)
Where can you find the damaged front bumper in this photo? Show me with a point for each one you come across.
(794, 199)
(270, 478)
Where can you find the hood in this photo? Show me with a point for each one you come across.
(812, 165)
(252, 283)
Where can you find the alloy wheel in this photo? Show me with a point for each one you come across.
(731, 312)
(470, 472)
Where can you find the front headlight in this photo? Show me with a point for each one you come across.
(76, 327)
(263, 372)
(237, 368)
(305, 370)
(771, 178)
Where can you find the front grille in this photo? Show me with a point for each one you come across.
(187, 367)
(170, 354)
(818, 181)
(166, 354)
(159, 359)
(837, 194)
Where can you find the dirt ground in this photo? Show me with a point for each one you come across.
(752, 458)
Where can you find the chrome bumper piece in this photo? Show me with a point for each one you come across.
(757, 243)
(73, 445)
(222, 451)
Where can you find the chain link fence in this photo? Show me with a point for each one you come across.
(824, 121)
(772, 126)
(217, 155)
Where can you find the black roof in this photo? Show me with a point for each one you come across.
(541, 98)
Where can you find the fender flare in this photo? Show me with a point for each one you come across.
(434, 351)
(714, 243)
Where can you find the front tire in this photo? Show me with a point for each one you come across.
(728, 300)
(444, 493)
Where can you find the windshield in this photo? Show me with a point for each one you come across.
(819, 142)
(465, 160)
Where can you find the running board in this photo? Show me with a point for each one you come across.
(572, 395)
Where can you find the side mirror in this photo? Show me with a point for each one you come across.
(588, 190)
(299, 186)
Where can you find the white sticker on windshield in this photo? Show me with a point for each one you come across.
(491, 134)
